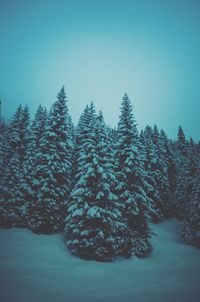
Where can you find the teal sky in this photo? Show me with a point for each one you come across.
(101, 49)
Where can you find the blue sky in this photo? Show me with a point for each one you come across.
(101, 49)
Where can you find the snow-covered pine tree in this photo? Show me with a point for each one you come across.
(182, 142)
(18, 133)
(10, 197)
(168, 174)
(191, 221)
(191, 165)
(160, 171)
(170, 160)
(105, 194)
(153, 197)
(130, 175)
(3, 148)
(153, 172)
(24, 133)
(10, 210)
(83, 134)
(94, 226)
(52, 176)
(37, 130)
(77, 231)
(35, 134)
(72, 153)
(182, 162)
(3, 145)
(14, 132)
(112, 135)
(0, 112)
(190, 177)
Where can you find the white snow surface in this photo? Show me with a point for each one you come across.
(38, 268)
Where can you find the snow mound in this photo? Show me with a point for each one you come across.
(39, 268)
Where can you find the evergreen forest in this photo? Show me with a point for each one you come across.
(102, 187)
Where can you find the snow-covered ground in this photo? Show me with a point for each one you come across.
(38, 268)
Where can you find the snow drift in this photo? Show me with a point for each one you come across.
(39, 268)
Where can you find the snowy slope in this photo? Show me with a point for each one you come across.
(39, 268)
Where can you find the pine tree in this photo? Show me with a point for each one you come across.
(170, 160)
(168, 172)
(105, 193)
(95, 227)
(14, 132)
(191, 222)
(18, 133)
(24, 132)
(182, 162)
(10, 207)
(0, 113)
(3, 148)
(78, 230)
(153, 198)
(10, 197)
(29, 165)
(159, 169)
(181, 141)
(131, 181)
(82, 136)
(52, 177)
(152, 171)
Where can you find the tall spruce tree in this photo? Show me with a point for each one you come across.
(170, 162)
(94, 226)
(24, 133)
(14, 132)
(153, 171)
(181, 141)
(52, 176)
(161, 172)
(10, 197)
(162, 166)
(34, 136)
(182, 160)
(191, 221)
(153, 198)
(10, 207)
(131, 180)
(4, 158)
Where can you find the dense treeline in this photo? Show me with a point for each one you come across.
(103, 186)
